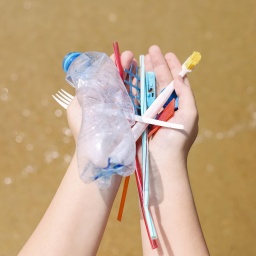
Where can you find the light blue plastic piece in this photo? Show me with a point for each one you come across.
(151, 87)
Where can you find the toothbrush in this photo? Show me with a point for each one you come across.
(156, 106)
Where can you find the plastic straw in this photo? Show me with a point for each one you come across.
(127, 179)
(145, 159)
(165, 115)
(121, 207)
(137, 170)
(118, 59)
(138, 176)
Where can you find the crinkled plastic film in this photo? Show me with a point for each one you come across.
(105, 144)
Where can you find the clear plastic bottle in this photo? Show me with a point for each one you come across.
(105, 145)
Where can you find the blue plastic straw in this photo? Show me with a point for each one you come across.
(145, 158)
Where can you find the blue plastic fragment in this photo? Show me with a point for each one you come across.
(150, 87)
(173, 96)
(132, 81)
(176, 106)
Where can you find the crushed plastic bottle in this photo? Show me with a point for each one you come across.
(105, 145)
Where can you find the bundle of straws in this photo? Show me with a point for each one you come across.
(149, 107)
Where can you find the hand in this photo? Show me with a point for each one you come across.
(171, 200)
(74, 111)
(167, 142)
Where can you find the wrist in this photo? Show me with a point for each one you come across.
(168, 154)
(74, 172)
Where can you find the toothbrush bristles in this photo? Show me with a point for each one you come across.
(193, 60)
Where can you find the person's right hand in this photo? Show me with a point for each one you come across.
(74, 111)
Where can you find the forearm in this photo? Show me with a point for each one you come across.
(173, 210)
(75, 220)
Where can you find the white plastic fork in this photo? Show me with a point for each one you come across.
(64, 99)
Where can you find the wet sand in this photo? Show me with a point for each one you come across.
(36, 144)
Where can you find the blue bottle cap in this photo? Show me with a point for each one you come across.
(68, 59)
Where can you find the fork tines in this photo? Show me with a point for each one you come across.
(63, 98)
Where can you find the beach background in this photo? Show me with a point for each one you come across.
(36, 143)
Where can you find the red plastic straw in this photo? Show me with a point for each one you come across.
(118, 59)
(137, 170)
(127, 179)
(165, 115)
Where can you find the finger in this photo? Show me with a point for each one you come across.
(160, 66)
(131, 67)
(135, 80)
(174, 65)
(186, 97)
(148, 64)
(129, 63)
(127, 59)
(136, 88)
